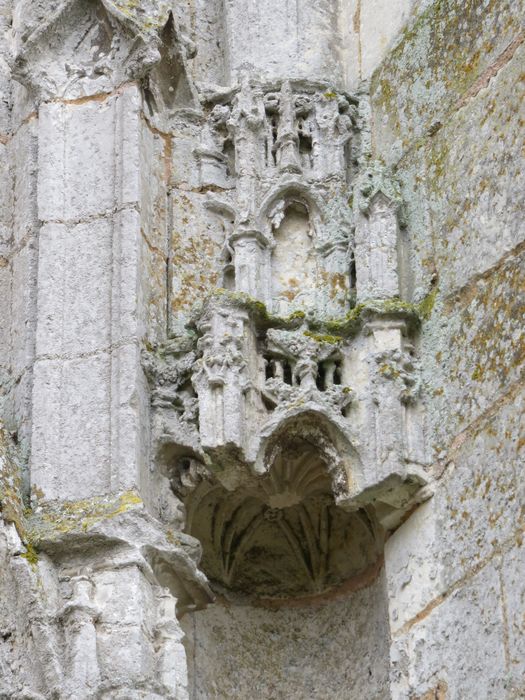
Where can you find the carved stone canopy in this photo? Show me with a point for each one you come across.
(282, 535)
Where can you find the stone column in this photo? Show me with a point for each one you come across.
(87, 386)
(79, 617)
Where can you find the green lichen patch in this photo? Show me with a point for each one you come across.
(427, 305)
(257, 310)
(11, 501)
(437, 60)
(52, 519)
(353, 321)
(30, 555)
(331, 330)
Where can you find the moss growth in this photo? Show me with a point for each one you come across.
(427, 305)
(30, 555)
(353, 320)
(320, 338)
(11, 502)
(331, 330)
(54, 518)
(257, 309)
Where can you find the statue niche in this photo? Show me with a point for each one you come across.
(293, 259)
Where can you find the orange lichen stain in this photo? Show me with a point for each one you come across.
(193, 262)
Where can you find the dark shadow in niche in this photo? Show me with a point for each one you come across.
(282, 535)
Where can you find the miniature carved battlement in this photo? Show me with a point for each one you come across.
(263, 131)
(245, 375)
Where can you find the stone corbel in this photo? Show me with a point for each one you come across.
(128, 536)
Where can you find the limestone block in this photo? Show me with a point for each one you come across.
(412, 565)
(311, 50)
(475, 511)
(126, 657)
(23, 154)
(127, 309)
(124, 597)
(184, 170)
(71, 427)
(195, 250)
(18, 407)
(154, 174)
(23, 306)
(379, 22)
(474, 347)
(477, 159)
(129, 412)
(417, 265)
(334, 650)
(482, 497)
(459, 645)
(5, 313)
(152, 293)
(23, 107)
(74, 288)
(6, 196)
(79, 144)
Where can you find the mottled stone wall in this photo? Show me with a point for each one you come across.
(448, 112)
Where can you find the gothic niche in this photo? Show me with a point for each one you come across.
(282, 535)
(293, 260)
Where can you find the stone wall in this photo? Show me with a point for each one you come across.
(448, 112)
(336, 649)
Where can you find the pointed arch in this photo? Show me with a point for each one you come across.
(310, 424)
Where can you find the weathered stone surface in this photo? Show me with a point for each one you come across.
(475, 514)
(261, 322)
(79, 145)
(436, 652)
(513, 598)
(453, 131)
(450, 46)
(328, 650)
